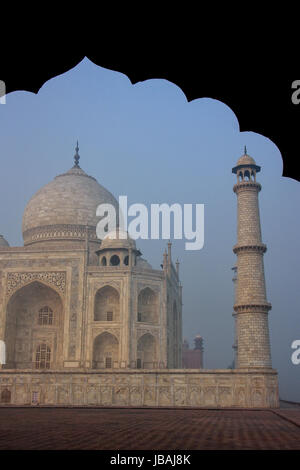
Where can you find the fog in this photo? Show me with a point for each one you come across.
(147, 142)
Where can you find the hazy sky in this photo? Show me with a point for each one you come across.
(147, 142)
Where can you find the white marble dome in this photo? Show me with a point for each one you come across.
(143, 263)
(3, 242)
(63, 207)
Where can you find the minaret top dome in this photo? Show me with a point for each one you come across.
(246, 161)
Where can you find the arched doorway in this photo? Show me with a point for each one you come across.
(146, 352)
(105, 351)
(34, 316)
(147, 306)
(107, 304)
(5, 396)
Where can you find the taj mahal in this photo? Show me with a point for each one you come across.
(89, 322)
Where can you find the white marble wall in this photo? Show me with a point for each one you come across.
(153, 388)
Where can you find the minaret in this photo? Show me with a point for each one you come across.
(251, 306)
(234, 346)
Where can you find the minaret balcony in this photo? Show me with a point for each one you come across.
(251, 308)
(246, 186)
(255, 247)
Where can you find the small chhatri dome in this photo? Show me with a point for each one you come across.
(63, 208)
(3, 242)
(143, 264)
(118, 239)
(244, 161)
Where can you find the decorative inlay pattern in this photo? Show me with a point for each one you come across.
(15, 281)
(143, 331)
(61, 231)
(113, 331)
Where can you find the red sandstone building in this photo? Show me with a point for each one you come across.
(193, 358)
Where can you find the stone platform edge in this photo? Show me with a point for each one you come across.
(218, 388)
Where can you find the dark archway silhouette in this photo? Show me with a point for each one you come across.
(261, 102)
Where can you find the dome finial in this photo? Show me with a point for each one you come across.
(76, 157)
(245, 150)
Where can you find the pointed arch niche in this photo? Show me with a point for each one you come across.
(105, 351)
(34, 316)
(147, 306)
(147, 352)
(107, 304)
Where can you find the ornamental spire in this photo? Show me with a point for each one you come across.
(245, 150)
(76, 157)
